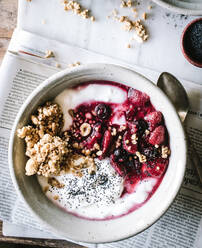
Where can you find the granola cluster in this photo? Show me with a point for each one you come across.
(49, 150)
(77, 9)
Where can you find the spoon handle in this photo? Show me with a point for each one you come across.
(195, 159)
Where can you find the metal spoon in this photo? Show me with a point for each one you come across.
(178, 96)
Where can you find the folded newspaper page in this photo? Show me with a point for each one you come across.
(25, 67)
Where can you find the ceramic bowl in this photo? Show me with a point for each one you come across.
(185, 52)
(71, 227)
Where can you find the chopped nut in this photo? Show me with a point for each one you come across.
(149, 7)
(55, 197)
(141, 157)
(147, 132)
(49, 54)
(128, 46)
(134, 139)
(87, 152)
(122, 18)
(75, 145)
(165, 152)
(85, 129)
(96, 146)
(114, 132)
(99, 153)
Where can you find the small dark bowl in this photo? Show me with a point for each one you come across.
(186, 43)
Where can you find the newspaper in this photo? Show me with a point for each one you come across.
(20, 73)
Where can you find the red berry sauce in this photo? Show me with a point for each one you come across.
(142, 132)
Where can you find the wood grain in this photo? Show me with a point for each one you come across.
(8, 19)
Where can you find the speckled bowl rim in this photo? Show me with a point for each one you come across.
(97, 235)
(183, 11)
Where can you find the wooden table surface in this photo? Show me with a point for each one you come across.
(8, 19)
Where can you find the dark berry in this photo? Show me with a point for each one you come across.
(130, 165)
(102, 111)
(120, 155)
(150, 152)
(141, 126)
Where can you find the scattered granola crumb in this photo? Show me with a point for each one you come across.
(123, 4)
(74, 64)
(49, 54)
(58, 65)
(92, 18)
(128, 46)
(114, 12)
(144, 15)
(77, 9)
(129, 3)
(140, 31)
(149, 7)
(122, 18)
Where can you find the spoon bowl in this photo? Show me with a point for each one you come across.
(174, 90)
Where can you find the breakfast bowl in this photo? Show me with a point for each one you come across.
(68, 225)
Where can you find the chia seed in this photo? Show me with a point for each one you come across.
(193, 41)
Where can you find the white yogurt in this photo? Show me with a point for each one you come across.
(97, 196)
(70, 98)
